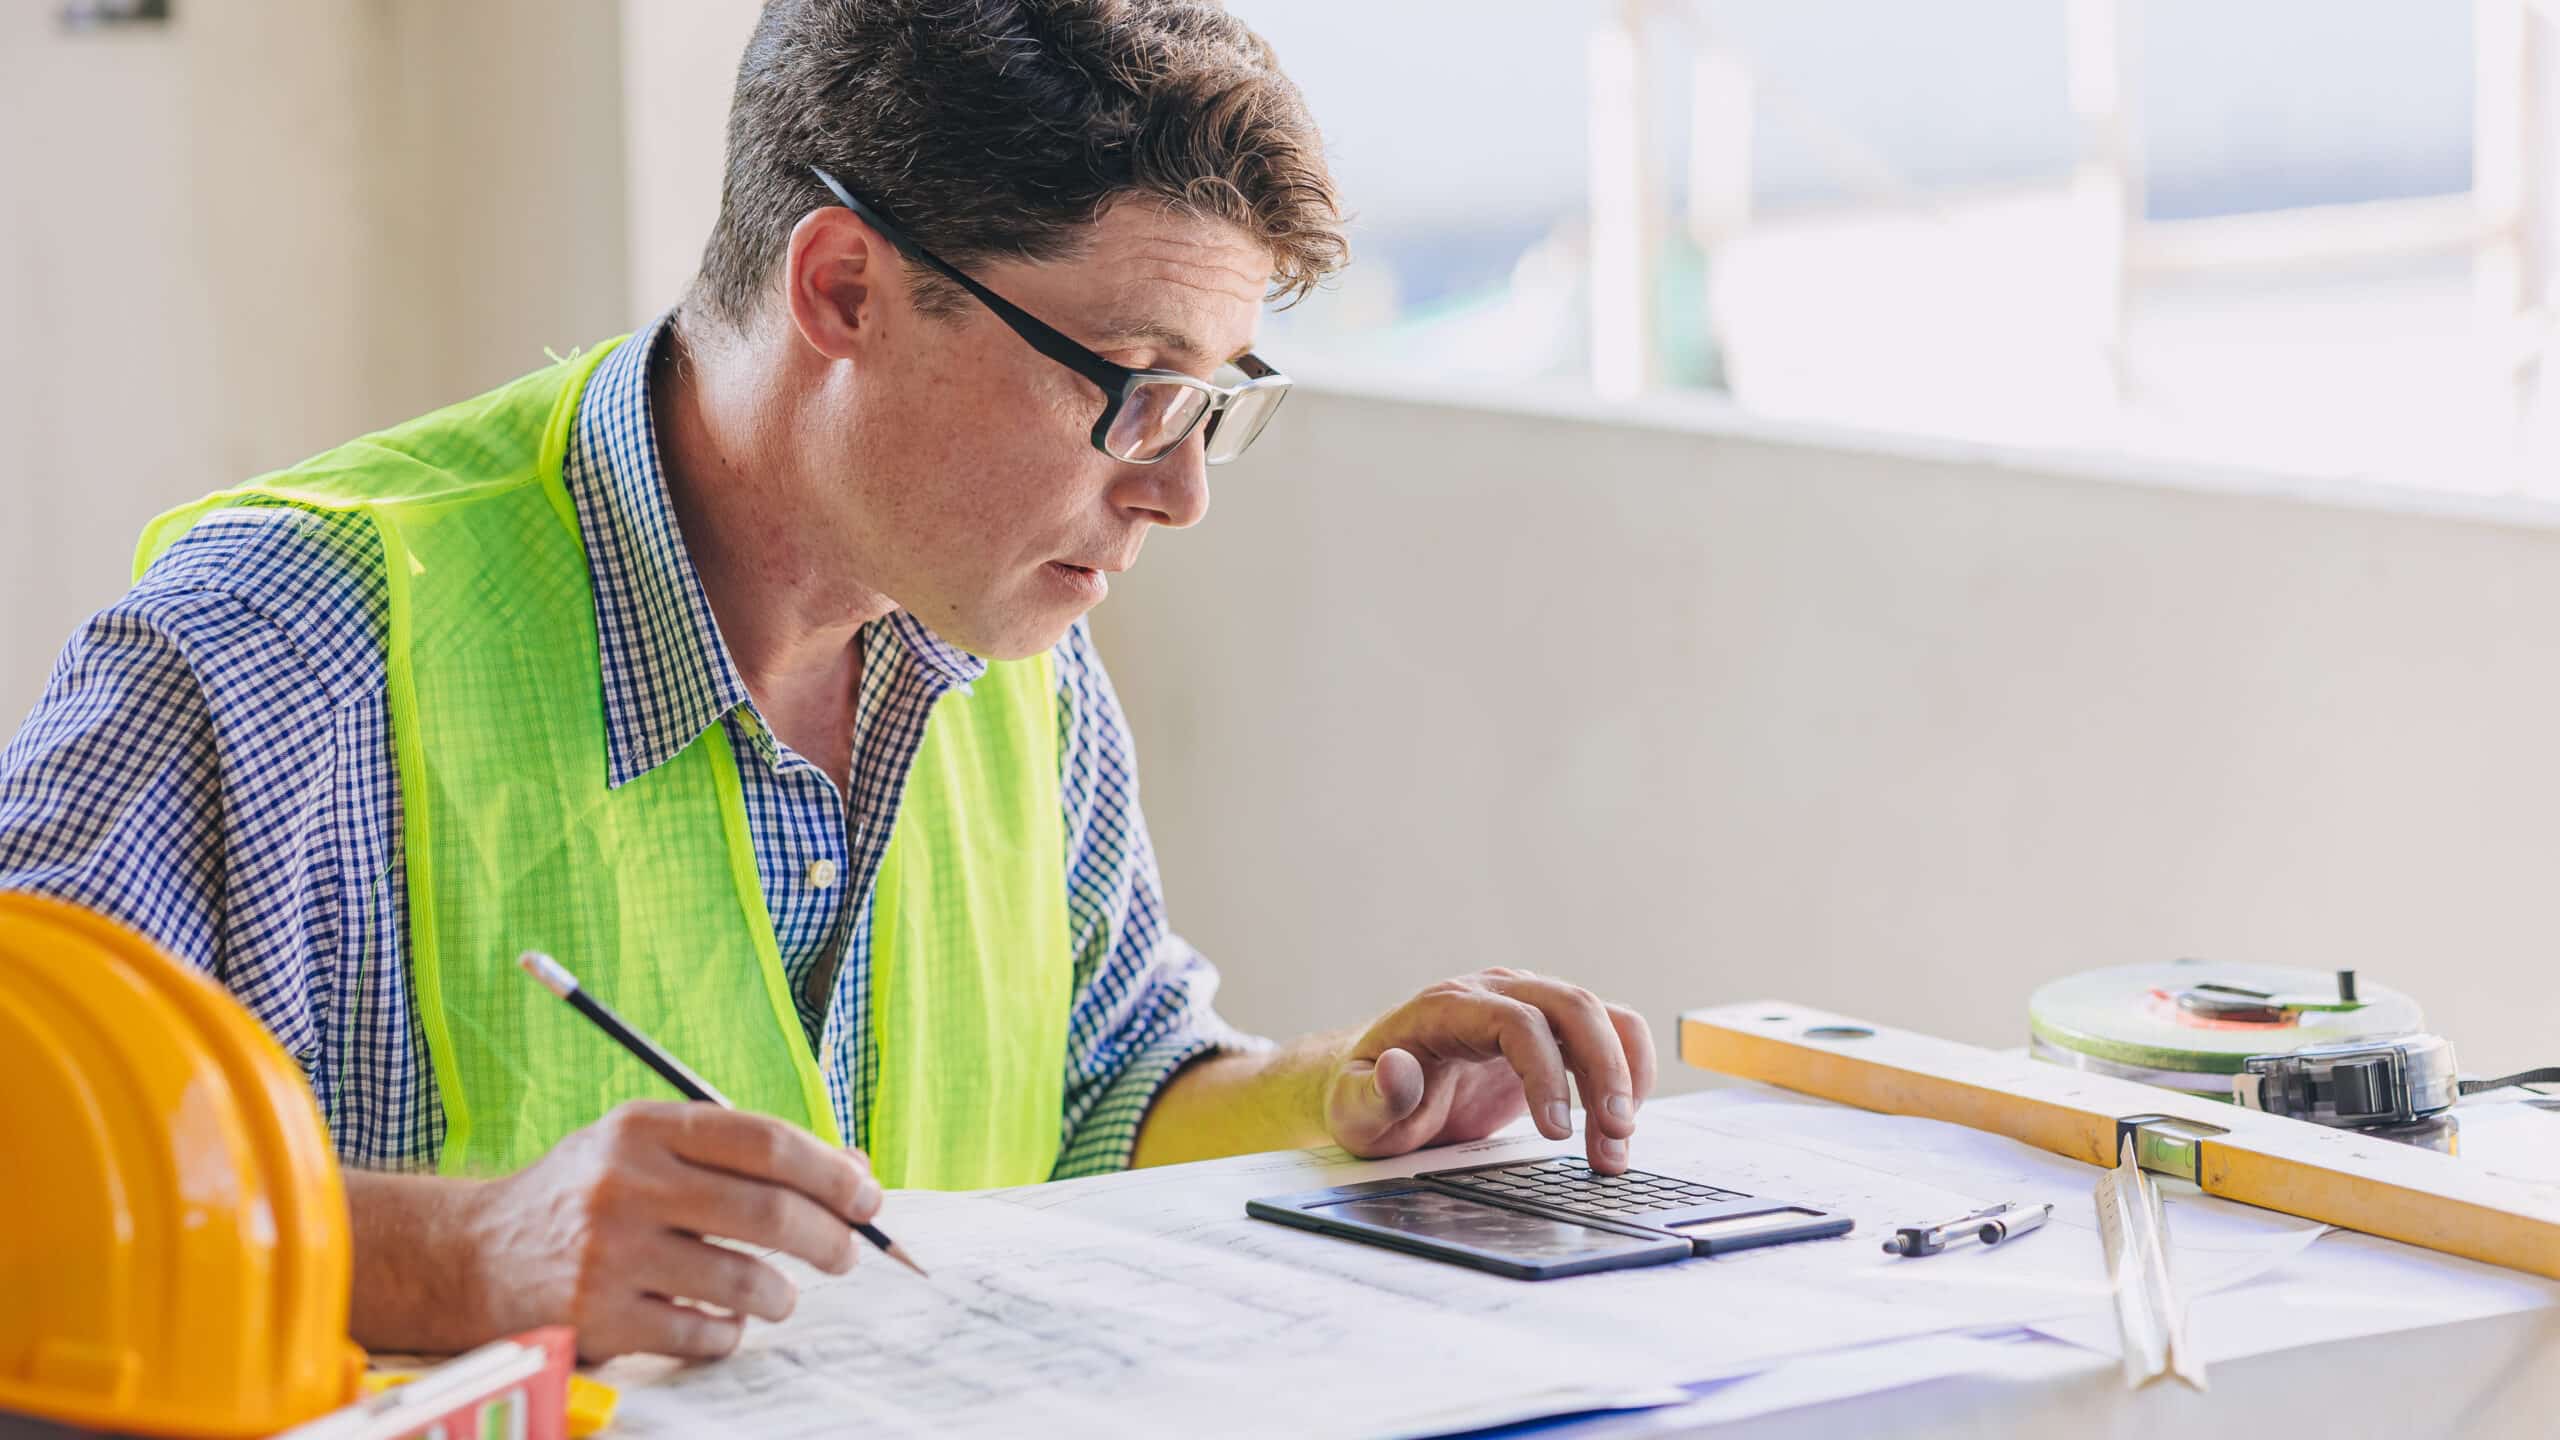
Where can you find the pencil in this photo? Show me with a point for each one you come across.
(555, 977)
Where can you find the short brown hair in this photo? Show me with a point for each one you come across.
(1002, 128)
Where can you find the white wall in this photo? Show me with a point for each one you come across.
(679, 65)
(1698, 713)
(235, 240)
(1688, 711)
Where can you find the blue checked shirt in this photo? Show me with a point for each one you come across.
(211, 763)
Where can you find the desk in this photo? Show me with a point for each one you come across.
(1074, 1307)
(2497, 1376)
(2492, 1375)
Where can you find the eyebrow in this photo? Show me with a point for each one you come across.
(1123, 331)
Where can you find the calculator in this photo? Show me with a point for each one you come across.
(1547, 1218)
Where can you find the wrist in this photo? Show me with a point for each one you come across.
(1320, 1060)
(422, 1278)
(472, 1247)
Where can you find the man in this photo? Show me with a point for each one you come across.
(742, 666)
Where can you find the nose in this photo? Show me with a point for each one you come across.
(1173, 491)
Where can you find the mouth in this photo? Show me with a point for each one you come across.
(1088, 582)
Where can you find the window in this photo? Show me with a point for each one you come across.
(2313, 236)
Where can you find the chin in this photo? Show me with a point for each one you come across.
(1017, 637)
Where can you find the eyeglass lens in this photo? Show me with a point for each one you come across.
(1234, 428)
(1158, 415)
(1154, 418)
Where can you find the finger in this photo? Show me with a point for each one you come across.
(760, 1147)
(1637, 1036)
(1591, 1047)
(707, 1201)
(1369, 1098)
(1527, 1041)
(681, 1266)
(650, 1325)
(1397, 1078)
(772, 1216)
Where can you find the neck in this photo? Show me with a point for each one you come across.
(789, 613)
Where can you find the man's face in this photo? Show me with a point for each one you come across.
(963, 484)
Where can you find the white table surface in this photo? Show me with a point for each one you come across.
(2486, 1377)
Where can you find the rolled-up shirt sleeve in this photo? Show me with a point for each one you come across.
(1145, 1000)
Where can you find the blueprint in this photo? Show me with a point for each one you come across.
(1735, 1314)
(1147, 1301)
(1041, 1322)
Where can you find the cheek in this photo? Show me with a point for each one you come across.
(1020, 463)
(977, 469)
(999, 414)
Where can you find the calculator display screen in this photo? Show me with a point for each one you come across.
(1456, 1220)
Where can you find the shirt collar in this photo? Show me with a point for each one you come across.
(668, 675)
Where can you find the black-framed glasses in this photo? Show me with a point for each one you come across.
(1146, 414)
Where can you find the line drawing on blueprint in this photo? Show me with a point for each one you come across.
(1029, 1314)
(988, 1336)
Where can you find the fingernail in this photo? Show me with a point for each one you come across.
(1559, 1117)
(1612, 1151)
(1622, 1107)
(868, 1198)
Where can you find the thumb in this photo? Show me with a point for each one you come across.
(1368, 1098)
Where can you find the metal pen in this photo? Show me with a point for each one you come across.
(1990, 1225)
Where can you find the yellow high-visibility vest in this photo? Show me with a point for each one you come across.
(649, 891)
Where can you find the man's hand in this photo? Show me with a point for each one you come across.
(1458, 1061)
(607, 1233)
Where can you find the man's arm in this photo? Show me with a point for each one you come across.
(602, 1230)
(409, 1294)
(114, 796)
(1237, 1104)
(1455, 1063)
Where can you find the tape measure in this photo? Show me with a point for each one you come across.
(2290, 1042)
(2192, 1025)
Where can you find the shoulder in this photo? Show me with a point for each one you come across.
(252, 574)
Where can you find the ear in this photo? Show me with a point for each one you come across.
(838, 275)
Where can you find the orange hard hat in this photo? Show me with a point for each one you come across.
(173, 1236)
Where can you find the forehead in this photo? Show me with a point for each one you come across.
(1148, 272)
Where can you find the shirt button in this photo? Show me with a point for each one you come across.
(822, 874)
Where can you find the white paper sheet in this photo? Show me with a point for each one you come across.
(1043, 1323)
(1738, 1314)
(2352, 1285)
(2016, 1356)
(1148, 1300)
(2349, 1285)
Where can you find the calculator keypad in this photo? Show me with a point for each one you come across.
(1570, 1184)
